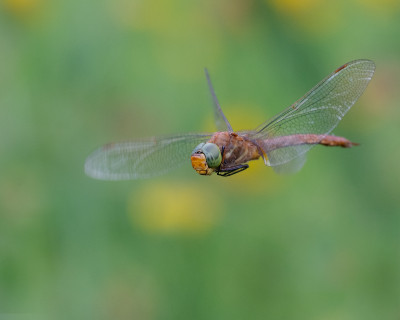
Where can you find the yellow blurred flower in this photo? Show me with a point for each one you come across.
(314, 16)
(175, 208)
(21, 8)
(294, 6)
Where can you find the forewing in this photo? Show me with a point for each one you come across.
(319, 111)
(221, 121)
(142, 159)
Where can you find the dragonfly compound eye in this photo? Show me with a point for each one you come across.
(198, 148)
(213, 154)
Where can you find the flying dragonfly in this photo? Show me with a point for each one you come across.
(281, 142)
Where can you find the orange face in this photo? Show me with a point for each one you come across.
(199, 164)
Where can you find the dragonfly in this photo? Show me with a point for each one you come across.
(281, 142)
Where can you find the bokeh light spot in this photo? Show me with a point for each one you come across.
(175, 208)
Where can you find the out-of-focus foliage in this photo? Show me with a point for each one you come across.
(323, 244)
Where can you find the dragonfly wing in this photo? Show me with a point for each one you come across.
(319, 111)
(142, 159)
(291, 166)
(221, 121)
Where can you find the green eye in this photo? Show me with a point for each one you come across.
(198, 148)
(213, 154)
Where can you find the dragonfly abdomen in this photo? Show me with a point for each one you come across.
(299, 139)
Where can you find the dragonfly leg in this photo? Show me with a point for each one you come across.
(227, 172)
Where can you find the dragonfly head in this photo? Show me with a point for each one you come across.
(206, 157)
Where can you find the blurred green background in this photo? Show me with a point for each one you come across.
(321, 244)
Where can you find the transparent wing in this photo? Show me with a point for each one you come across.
(221, 121)
(318, 112)
(142, 159)
(291, 166)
